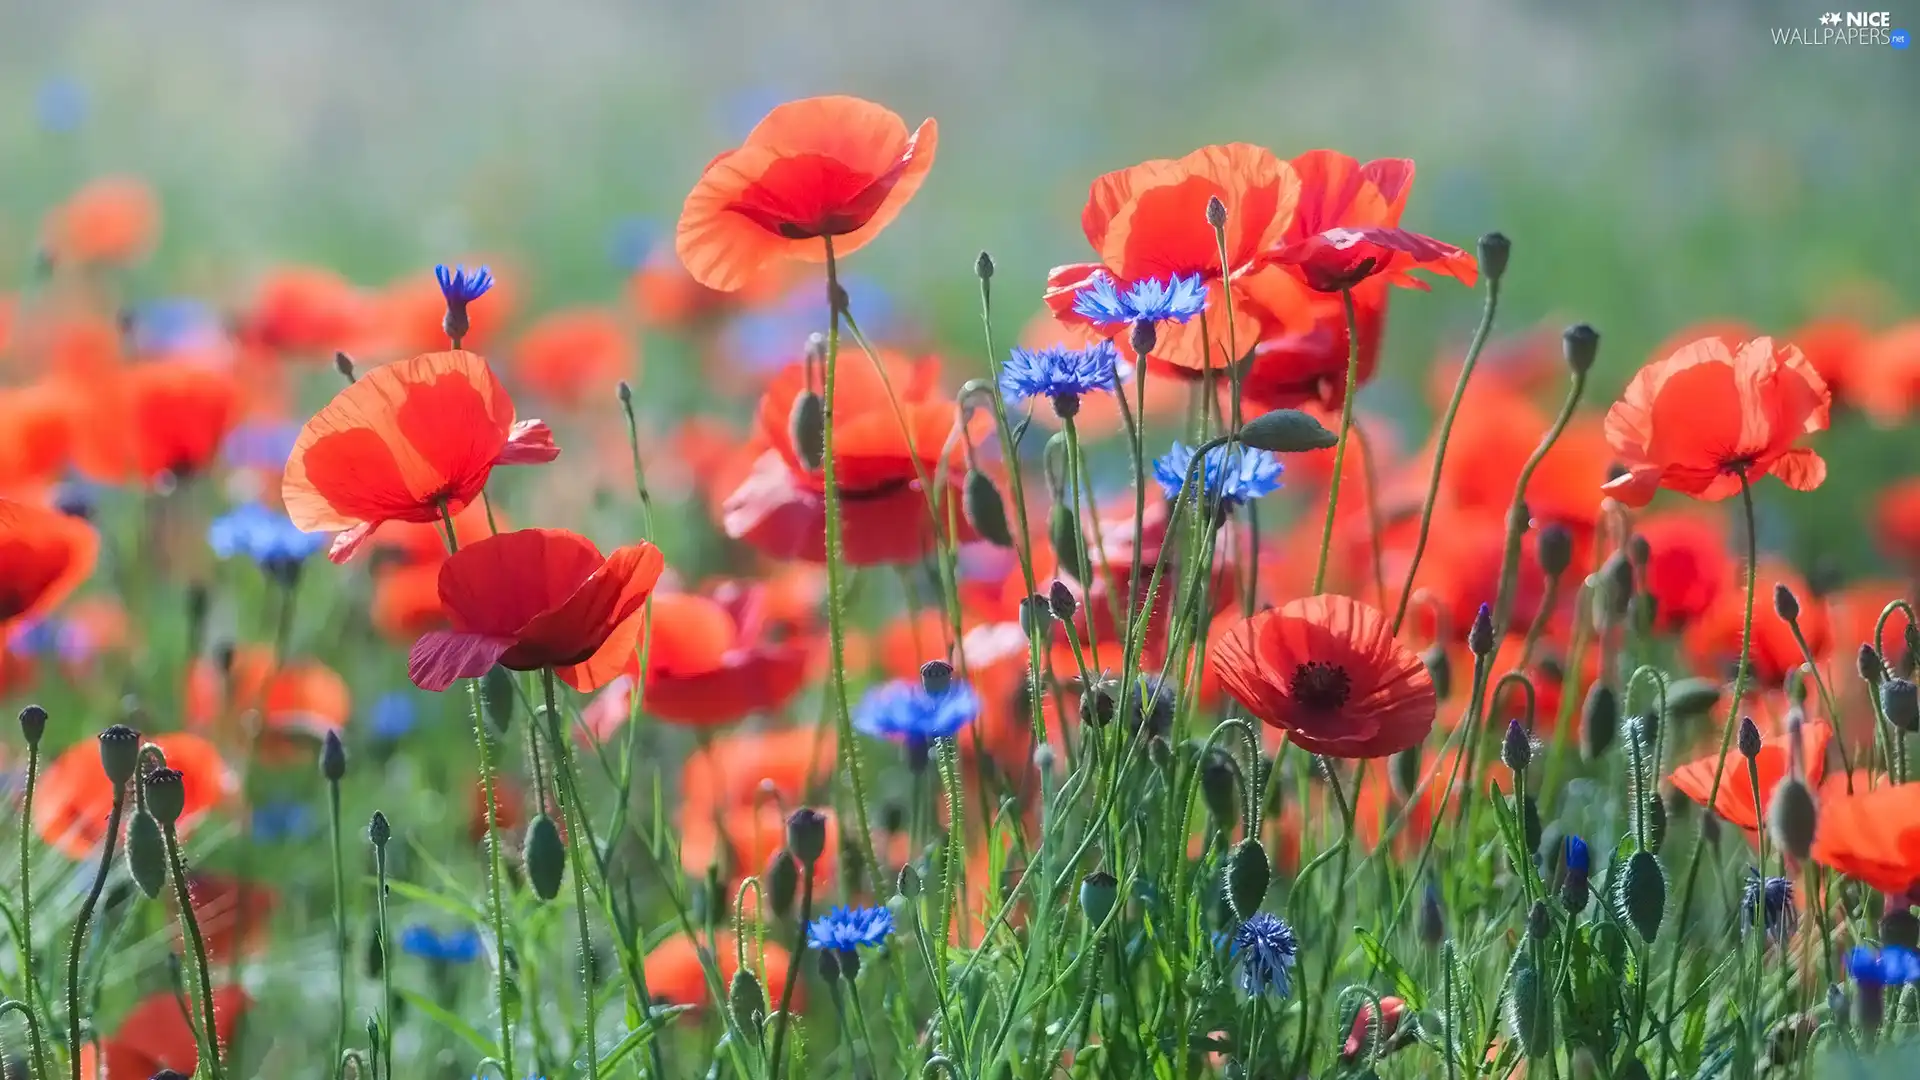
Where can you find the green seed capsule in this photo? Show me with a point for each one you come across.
(1287, 431)
(545, 857)
(147, 854)
(1248, 875)
(986, 511)
(1643, 894)
(1530, 1012)
(497, 691)
(746, 1000)
(1063, 532)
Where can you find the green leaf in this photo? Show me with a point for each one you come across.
(481, 1044)
(639, 1037)
(1378, 955)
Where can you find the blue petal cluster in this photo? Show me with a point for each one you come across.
(1177, 299)
(1578, 860)
(454, 947)
(1772, 897)
(1060, 373)
(462, 286)
(845, 929)
(281, 820)
(904, 710)
(392, 716)
(1263, 951)
(269, 539)
(1231, 476)
(1889, 965)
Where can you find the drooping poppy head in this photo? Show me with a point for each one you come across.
(408, 442)
(111, 221)
(1328, 670)
(1714, 411)
(156, 1037)
(1873, 837)
(677, 971)
(305, 312)
(575, 358)
(836, 167)
(163, 418)
(1734, 800)
(538, 598)
(44, 556)
(74, 796)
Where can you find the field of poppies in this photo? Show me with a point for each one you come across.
(1109, 683)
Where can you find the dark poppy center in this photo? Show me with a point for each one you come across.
(1320, 686)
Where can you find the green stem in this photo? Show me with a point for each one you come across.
(572, 813)
(793, 970)
(1340, 448)
(1517, 510)
(339, 914)
(28, 971)
(198, 946)
(80, 929)
(386, 958)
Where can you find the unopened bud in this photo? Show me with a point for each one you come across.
(1480, 636)
(1599, 721)
(1216, 212)
(1063, 532)
(1692, 697)
(1581, 343)
(625, 391)
(1554, 546)
(333, 758)
(343, 364)
(1792, 817)
(147, 854)
(1440, 670)
(807, 429)
(1036, 615)
(496, 692)
(1099, 891)
(1539, 921)
(1530, 1011)
(985, 510)
(1404, 770)
(936, 677)
(1785, 604)
(1869, 664)
(1248, 875)
(1516, 751)
(545, 857)
(1900, 699)
(806, 835)
(33, 724)
(782, 881)
(1143, 338)
(1643, 894)
(378, 831)
(1220, 787)
(1287, 431)
(1494, 249)
(746, 1000)
(1432, 920)
(1060, 599)
(1748, 740)
(983, 267)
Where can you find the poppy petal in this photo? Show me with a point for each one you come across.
(546, 566)
(530, 442)
(1801, 470)
(441, 658)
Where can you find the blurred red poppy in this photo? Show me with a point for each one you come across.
(820, 167)
(1329, 672)
(665, 295)
(303, 697)
(575, 358)
(1688, 565)
(1734, 801)
(1712, 643)
(1712, 412)
(538, 598)
(710, 662)
(1873, 837)
(411, 441)
(1836, 348)
(305, 312)
(112, 220)
(677, 975)
(44, 556)
(406, 601)
(1886, 378)
(156, 1037)
(158, 419)
(39, 421)
(74, 796)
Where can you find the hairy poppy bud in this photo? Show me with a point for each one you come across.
(1220, 787)
(1749, 738)
(782, 880)
(1480, 635)
(1036, 615)
(1899, 698)
(545, 857)
(1599, 720)
(1792, 816)
(378, 831)
(33, 724)
(1160, 752)
(1287, 431)
(496, 691)
(1404, 771)
(1144, 337)
(983, 267)
(985, 510)
(1869, 664)
(1248, 875)
(333, 758)
(746, 1000)
(1580, 344)
(119, 754)
(1530, 1010)
(1554, 546)
(1692, 697)
(1539, 921)
(1516, 750)
(1494, 250)
(343, 364)
(1440, 670)
(1643, 894)
(907, 882)
(1060, 599)
(1785, 604)
(1099, 891)
(1216, 212)
(807, 834)
(147, 854)
(807, 429)
(1530, 824)
(936, 677)
(166, 791)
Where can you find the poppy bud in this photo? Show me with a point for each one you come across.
(1098, 704)
(1516, 751)
(1530, 824)
(1432, 920)
(119, 754)
(1060, 599)
(1785, 604)
(1044, 757)
(1616, 585)
(1287, 431)
(746, 1000)
(33, 724)
(1599, 720)
(1639, 552)
(983, 267)
(1577, 889)
(1063, 532)
(1099, 891)
(807, 429)
(807, 835)
(1440, 670)
(1692, 697)
(1036, 615)
(343, 364)
(147, 854)
(984, 509)
(1792, 817)
(1869, 664)
(1144, 337)
(496, 690)
(1539, 921)
(1404, 771)
(936, 677)
(1749, 738)
(1654, 810)
(333, 758)
(1494, 249)
(1216, 212)
(166, 795)
(1643, 894)
(1529, 1011)
(1554, 547)
(378, 831)
(1480, 636)
(1220, 787)
(782, 880)
(625, 392)
(907, 882)
(545, 857)
(1248, 875)
(1581, 343)
(1898, 697)
(1900, 927)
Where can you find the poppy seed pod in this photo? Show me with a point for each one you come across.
(1580, 344)
(1099, 891)
(1748, 740)
(807, 835)
(1692, 697)
(1643, 894)
(985, 510)
(1287, 431)
(496, 691)
(1792, 817)
(983, 266)
(166, 791)
(1554, 547)
(936, 677)
(807, 428)
(119, 754)
(146, 854)
(1599, 720)
(33, 724)
(782, 881)
(545, 856)
(1480, 635)
(1060, 599)
(1248, 875)
(1900, 699)
(333, 758)
(1494, 250)
(378, 831)
(1036, 616)
(1785, 604)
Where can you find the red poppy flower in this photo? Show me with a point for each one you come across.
(1698, 420)
(302, 698)
(1688, 566)
(1339, 259)
(1529, 364)
(1835, 347)
(1328, 671)
(677, 975)
(1712, 643)
(305, 312)
(39, 422)
(1292, 368)
(509, 808)
(1886, 377)
(408, 442)
(1873, 837)
(575, 358)
(538, 598)
(1391, 1009)
(163, 418)
(820, 167)
(732, 770)
(1734, 801)
(155, 1037)
(44, 556)
(1151, 221)
(112, 220)
(406, 601)
(74, 796)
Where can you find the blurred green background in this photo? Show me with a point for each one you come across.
(1655, 163)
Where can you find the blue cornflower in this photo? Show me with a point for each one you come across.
(70, 642)
(1890, 965)
(461, 946)
(1177, 299)
(281, 820)
(260, 445)
(1232, 474)
(905, 711)
(392, 716)
(175, 324)
(1578, 861)
(846, 929)
(60, 105)
(1263, 950)
(269, 539)
(462, 286)
(1060, 373)
(1774, 897)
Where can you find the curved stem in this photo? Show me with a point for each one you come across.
(80, 928)
(1340, 448)
(33, 1031)
(198, 947)
(572, 813)
(1517, 510)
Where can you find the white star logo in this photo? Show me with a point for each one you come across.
(1831, 18)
